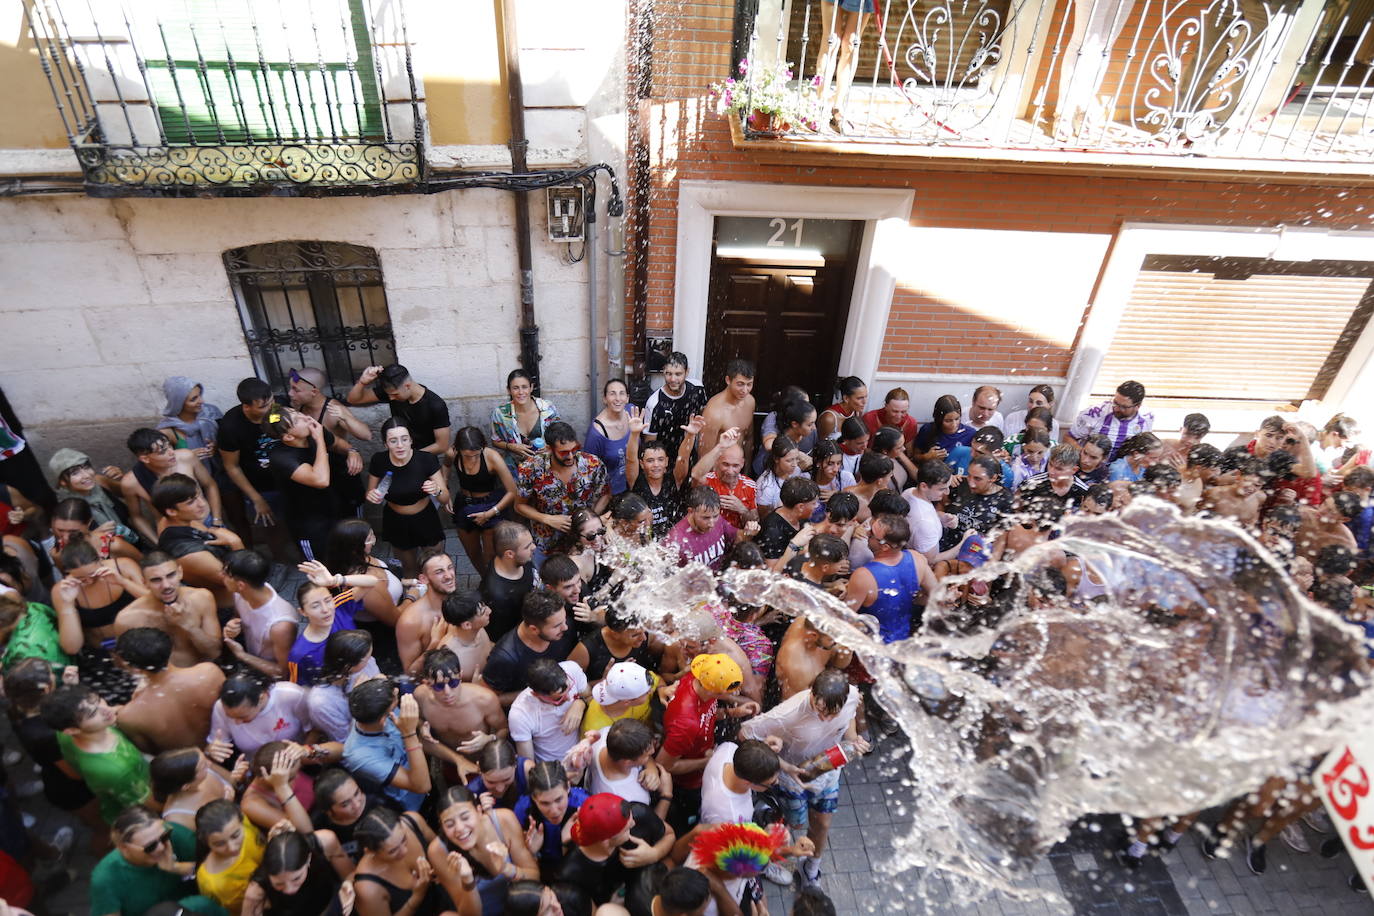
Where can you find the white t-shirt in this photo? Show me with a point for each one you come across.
(803, 732)
(284, 717)
(996, 420)
(719, 805)
(258, 622)
(531, 719)
(627, 787)
(925, 523)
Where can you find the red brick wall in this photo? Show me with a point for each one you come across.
(686, 139)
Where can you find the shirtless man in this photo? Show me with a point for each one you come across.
(185, 614)
(1241, 498)
(1326, 525)
(708, 640)
(155, 459)
(1196, 426)
(463, 718)
(307, 395)
(171, 708)
(731, 407)
(805, 653)
(421, 626)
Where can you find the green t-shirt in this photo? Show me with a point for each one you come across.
(131, 890)
(118, 778)
(35, 637)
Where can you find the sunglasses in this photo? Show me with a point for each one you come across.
(567, 453)
(296, 377)
(452, 683)
(166, 837)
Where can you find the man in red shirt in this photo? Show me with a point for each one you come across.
(894, 413)
(720, 469)
(689, 726)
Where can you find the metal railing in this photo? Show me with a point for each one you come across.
(1255, 79)
(189, 96)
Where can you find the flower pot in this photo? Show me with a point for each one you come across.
(765, 122)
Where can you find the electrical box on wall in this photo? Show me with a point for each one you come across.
(566, 217)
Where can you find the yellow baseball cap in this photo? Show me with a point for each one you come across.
(717, 673)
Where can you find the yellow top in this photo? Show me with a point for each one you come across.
(595, 717)
(228, 887)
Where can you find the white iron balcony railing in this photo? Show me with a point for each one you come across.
(1250, 79)
(233, 96)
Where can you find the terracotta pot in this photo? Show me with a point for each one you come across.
(765, 122)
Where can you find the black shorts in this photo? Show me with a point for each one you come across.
(409, 532)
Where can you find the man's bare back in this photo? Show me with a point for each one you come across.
(801, 658)
(1232, 501)
(194, 608)
(172, 710)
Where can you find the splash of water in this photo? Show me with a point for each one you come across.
(1196, 671)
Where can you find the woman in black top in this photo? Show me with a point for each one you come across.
(300, 466)
(410, 520)
(485, 490)
(296, 879)
(393, 875)
(87, 601)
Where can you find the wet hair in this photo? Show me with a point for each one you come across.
(1197, 424)
(252, 389)
(328, 785)
(1162, 477)
(852, 428)
(285, 852)
(248, 566)
(393, 376)
(518, 373)
(780, 449)
(1133, 390)
(1101, 494)
(627, 506)
(145, 648)
(1102, 443)
(701, 498)
(470, 439)
(888, 502)
(1360, 478)
(841, 507)
(629, 739)
(1277, 465)
(1138, 444)
(850, 384)
(66, 706)
(991, 465)
(739, 368)
(826, 548)
(831, 687)
(539, 606)
(1284, 516)
(145, 441)
(344, 650)
(460, 607)
(812, 901)
(676, 358)
(1347, 503)
(1343, 426)
(1203, 455)
(618, 619)
(1273, 424)
(885, 439)
(558, 431)
(76, 555)
(1043, 414)
(1044, 391)
(506, 536)
(896, 530)
(745, 555)
(1335, 594)
(651, 446)
(496, 756)
(1334, 560)
(74, 509)
(990, 436)
(213, 817)
(945, 405)
(347, 550)
(240, 690)
(683, 891)
(797, 490)
(428, 554)
(171, 770)
(546, 775)
(437, 662)
(371, 700)
(558, 569)
(28, 680)
(932, 472)
(155, 558)
(171, 491)
(794, 412)
(756, 762)
(873, 467)
(544, 675)
(823, 451)
(1038, 437)
(375, 827)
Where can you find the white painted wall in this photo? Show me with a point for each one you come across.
(104, 299)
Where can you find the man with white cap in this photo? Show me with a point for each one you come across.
(626, 692)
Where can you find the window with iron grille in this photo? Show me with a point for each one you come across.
(319, 304)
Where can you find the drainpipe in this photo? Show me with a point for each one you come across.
(593, 345)
(615, 287)
(519, 146)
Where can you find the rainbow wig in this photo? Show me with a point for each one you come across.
(739, 850)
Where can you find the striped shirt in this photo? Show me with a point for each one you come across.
(1099, 420)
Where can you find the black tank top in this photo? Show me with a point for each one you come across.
(484, 481)
(599, 657)
(400, 896)
(104, 615)
(504, 597)
(145, 477)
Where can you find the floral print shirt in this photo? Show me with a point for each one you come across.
(543, 490)
(505, 428)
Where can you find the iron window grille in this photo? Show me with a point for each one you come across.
(316, 304)
(233, 96)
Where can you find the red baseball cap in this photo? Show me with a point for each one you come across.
(601, 817)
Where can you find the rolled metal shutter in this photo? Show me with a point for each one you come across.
(1238, 328)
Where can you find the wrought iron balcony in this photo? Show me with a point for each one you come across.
(255, 96)
(1154, 80)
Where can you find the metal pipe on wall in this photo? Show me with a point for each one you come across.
(519, 147)
(593, 350)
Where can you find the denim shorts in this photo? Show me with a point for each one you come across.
(823, 796)
(855, 6)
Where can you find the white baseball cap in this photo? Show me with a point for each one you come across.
(624, 681)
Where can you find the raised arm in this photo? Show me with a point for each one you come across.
(361, 393)
(682, 461)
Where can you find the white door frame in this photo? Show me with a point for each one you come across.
(1136, 241)
(886, 215)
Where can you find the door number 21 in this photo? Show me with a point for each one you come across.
(780, 228)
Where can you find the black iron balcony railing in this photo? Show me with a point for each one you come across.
(253, 96)
(1285, 80)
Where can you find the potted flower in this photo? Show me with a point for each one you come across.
(766, 99)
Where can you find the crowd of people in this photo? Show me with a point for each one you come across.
(386, 741)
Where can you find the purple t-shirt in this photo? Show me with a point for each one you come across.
(709, 548)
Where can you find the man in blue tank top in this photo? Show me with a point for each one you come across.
(887, 587)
